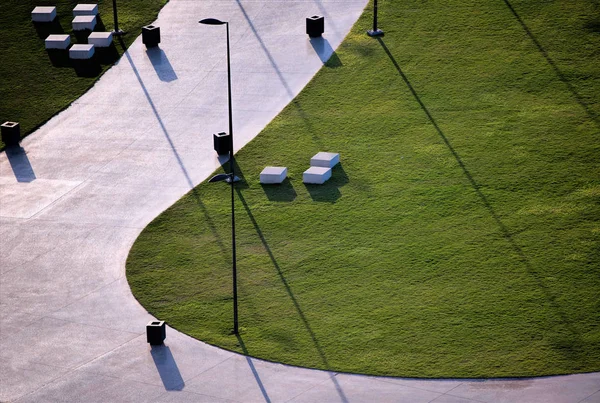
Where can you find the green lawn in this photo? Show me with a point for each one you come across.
(458, 238)
(32, 88)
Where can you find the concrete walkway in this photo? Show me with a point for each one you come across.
(74, 199)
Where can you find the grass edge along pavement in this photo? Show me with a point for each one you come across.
(35, 87)
(459, 235)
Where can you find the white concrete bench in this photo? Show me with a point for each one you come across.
(327, 160)
(43, 14)
(273, 175)
(56, 41)
(81, 51)
(83, 22)
(100, 39)
(316, 175)
(85, 9)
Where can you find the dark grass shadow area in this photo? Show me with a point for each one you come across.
(325, 52)
(282, 192)
(292, 297)
(167, 367)
(259, 382)
(574, 351)
(100, 27)
(591, 114)
(87, 68)
(43, 29)
(161, 64)
(107, 55)
(59, 57)
(21, 167)
(329, 192)
(81, 36)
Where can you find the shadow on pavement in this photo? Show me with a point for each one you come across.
(253, 369)
(167, 367)
(161, 64)
(325, 52)
(17, 157)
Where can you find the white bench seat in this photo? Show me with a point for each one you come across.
(273, 175)
(85, 9)
(316, 175)
(101, 39)
(43, 14)
(323, 159)
(57, 41)
(81, 51)
(83, 22)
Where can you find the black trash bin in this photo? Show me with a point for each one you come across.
(156, 332)
(150, 36)
(11, 133)
(222, 143)
(315, 26)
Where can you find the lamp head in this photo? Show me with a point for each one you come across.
(212, 21)
(219, 178)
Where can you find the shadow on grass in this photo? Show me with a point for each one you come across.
(107, 55)
(552, 64)
(194, 193)
(87, 68)
(167, 367)
(329, 191)
(253, 369)
(43, 29)
(574, 352)
(59, 57)
(22, 169)
(282, 192)
(81, 36)
(288, 289)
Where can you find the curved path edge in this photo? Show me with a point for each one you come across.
(77, 194)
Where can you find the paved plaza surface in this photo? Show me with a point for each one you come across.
(74, 198)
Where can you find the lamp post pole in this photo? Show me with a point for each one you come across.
(116, 31)
(230, 177)
(232, 181)
(375, 31)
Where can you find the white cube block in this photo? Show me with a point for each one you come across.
(316, 175)
(43, 14)
(82, 22)
(85, 9)
(81, 51)
(58, 41)
(271, 175)
(323, 159)
(100, 39)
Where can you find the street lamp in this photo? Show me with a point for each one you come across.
(375, 31)
(230, 177)
(116, 31)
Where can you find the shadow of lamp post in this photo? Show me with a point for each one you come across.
(375, 31)
(116, 31)
(230, 177)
